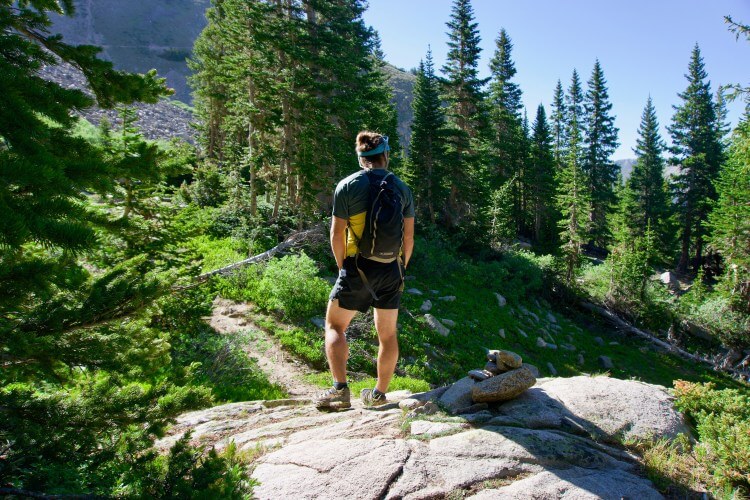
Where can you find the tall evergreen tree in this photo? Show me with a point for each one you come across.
(541, 180)
(600, 144)
(465, 113)
(508, 140)
(559, 119)
(573, 198)
(427, 150)
(650, 198)
(72, 335)
(729, 222)
(698, 152)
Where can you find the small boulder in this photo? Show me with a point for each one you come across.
(414, 291)
(508, 360)
(551, 368)
(501, 332)
(605, 362)
(500, 300)
(551, 317)
(448, 322)
(568, 347)
(436, 325)
(599, 340)
(491, 367)
(581, 360)
(475, 408)
(480, 375)
(522, 333)
(426, 306)
(533, 369)
(410, 404)
(458, 395)
(540, 342)
(447, 298)
(503, 387)
(552, 346)
(318, 321)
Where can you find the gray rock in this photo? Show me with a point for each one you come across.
(605, 362)
(599, 340)
(552, 346)
(501, 332)
(434, 292)
(414, 291)
(447, 298)
(581, 361)
(500, 300)
(458, 395)
(491, 367)
(426, 306)
(503, 387)
(432, 395)
(318, 321)
(429, 408)
(569, 338)
(522, 333)
(508, 360)
(425, 427)
(475, 408)
(551, 317)
(479, 417)
(551, 368)
(574, 483)
(448, 322)
(410, 404)
(533, 369)
(480, 375)
(436, 325)
(540, 342)
(568, 347)
(614, 343)
(602, 407)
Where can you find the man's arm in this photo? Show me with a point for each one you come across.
(338, 240)
(408, 239)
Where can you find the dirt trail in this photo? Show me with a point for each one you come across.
(279, 366)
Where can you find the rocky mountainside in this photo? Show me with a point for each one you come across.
(139, 36)
(559, 438)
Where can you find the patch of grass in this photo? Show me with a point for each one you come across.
(397, 383)
(303, 343)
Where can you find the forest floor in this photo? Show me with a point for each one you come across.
(280, 367)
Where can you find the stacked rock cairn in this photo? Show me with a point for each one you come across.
(504, 377)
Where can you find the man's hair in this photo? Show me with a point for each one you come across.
(367, 141)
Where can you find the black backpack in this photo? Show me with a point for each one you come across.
(383, 235)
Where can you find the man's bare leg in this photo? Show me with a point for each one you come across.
(337, 350)
(385, 324)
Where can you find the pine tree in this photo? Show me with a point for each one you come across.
(698, 152)
(600, 144)
(559, 119)
(573, 199)
(509, 141)
(541, 180)
(650, 205)
(729, 222)
(466, 116)
(72, 333)
(427, 151)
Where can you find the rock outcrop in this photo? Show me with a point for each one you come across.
(556, 439)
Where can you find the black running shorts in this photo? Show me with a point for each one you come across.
(386, 280)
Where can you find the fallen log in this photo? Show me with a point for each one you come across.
(292, 240)
(624, 325)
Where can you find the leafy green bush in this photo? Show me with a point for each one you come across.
(715, 314)
(722, 419)
(290, 286)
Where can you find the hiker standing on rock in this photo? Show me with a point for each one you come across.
(372, 238)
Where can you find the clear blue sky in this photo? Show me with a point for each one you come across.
(644, 47)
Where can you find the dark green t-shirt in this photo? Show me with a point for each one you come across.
(351, 197)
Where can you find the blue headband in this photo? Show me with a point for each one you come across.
(381, 148)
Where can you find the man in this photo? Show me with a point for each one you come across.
(365, 282)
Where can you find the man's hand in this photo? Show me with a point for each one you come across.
(408, 239)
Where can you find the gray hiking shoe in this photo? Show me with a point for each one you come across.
(369, 398)
(332, 399)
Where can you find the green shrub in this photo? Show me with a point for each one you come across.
(716, 315)
(290, 286)
(722, 420)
